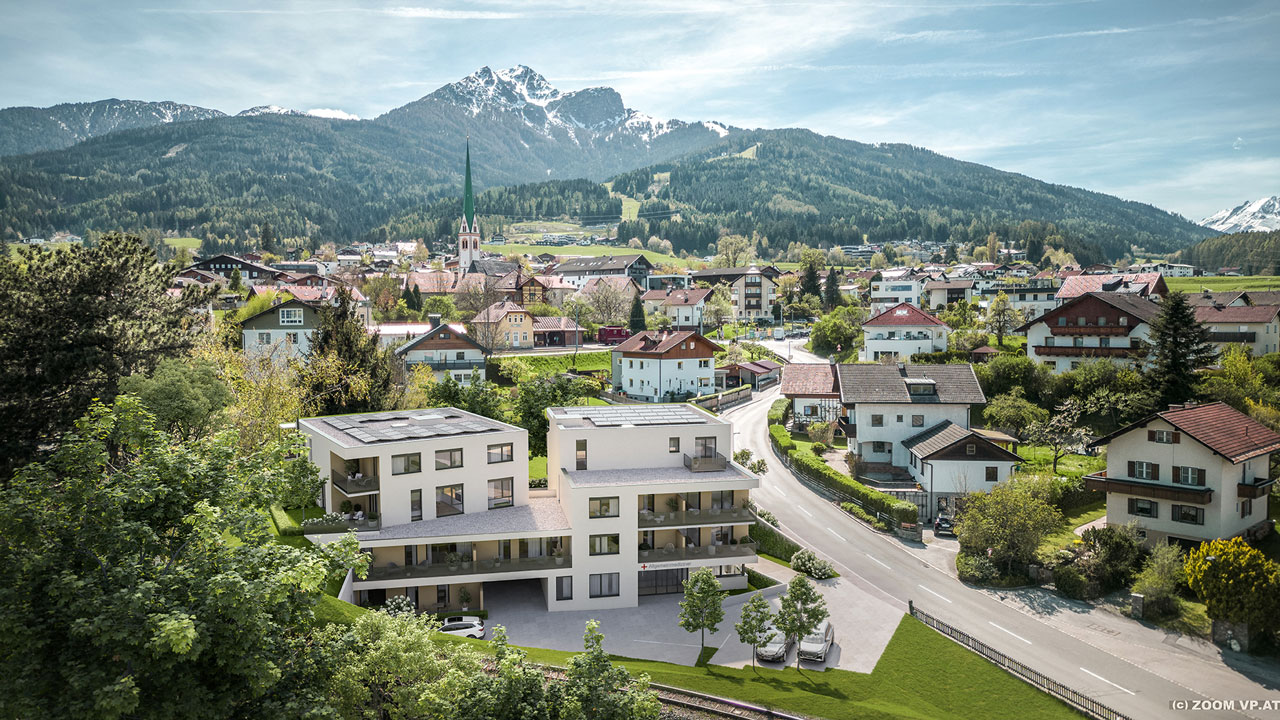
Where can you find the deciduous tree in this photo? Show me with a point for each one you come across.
(1006, 523)
(703, 606)
(184, 396)
(801, 611)
(754, 625)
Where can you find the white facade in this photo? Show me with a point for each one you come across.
(887, 293)
(881, 428)
(901, 341)
(278, 343)
(653, 377)
(463, 365)
(1039, 335)
(753, 296)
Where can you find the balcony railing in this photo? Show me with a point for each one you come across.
(1088, 351)
(394, 571)
(1233, 337)
(1256, 489)
(1148, 489)
(352, 486)
(687, 518)
(1089, 329)
(728, 552)
(711, 463)
(450, 364)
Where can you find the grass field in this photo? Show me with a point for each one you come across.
(1247, 282)
(187, 242)
(1040, 457)
(588, 250)
(537, 467)
(542, 364)
(630, 208)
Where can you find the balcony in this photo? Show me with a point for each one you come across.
(1147, 489)
(352, 486)
(393, 571)
(357, 526)
(1233, 337)
(1096, 330)
(1256, 489)
(712, 463)
(745, 549)
(1088, 351)
(451, 364)
(689, 518)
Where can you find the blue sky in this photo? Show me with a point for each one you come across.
(1171, 102)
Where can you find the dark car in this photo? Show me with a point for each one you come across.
(943, 525)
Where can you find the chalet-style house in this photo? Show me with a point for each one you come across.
(655, 365)
(1149, 286)
(1189, 474)
(282, 331)
(503, 325)
(684, 308)
(581, 269)
(448, 350)
(900, 332)
(1094, 325)
(814, 392)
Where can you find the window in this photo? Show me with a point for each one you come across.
(899, 418)
(448, 500)
(405, 464)
(679, 364)
(1124, 320)
(415, 504)
(442, 595)
(1163, 436)
(291, 316)
(603, 585)
(1141, 507)
(291, 338)
(603, 544)
(1062, 320)
(1189, 514)
(1080, 321)
(1048, 342)
(1141, 470)
(1188, 476)
(264, 338)
(500, 453)
(877, 421)
(970, 449)
(581, 453)
(1104, 342)
(721, 499)
(603, 507)
(704, 363)
(673, 444)
(879, 447)
(1246, 507)
(993, 474)
(917, 421)
(704, 447)
(500, 492)
(1102, 321)
(447, 459)
(564, 587)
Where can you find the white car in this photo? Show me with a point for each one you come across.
(776, 649)
(464, 626)
(815, 645)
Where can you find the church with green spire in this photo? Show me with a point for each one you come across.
(469, 231)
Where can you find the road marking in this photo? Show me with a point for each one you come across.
(1108, 682)
(779, 490)
(833, 532)
(805, 511)
(878, 562)
(1009, 631)
(933, 593)
(664, 642)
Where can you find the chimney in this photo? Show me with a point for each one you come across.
(434, 319)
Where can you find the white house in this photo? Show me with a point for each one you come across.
(448, 350)
(941, 293)
(1188, 474)
(282, 331)
(653, 365)
(900, 332)
(685, 308)
(814, 391)
(887, 293)
(1254, 326)
(1090, 326)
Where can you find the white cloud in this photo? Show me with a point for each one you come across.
(332, 113)
(440, 14)
(1239, 143)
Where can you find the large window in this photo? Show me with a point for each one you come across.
(415, 504)
(500, 453)
(500, 492)
(405, 464)
(449, 500)
(1189, 514)
(1189, 476)
(721, 499)
(604, 585)
(581, 451)
(1141, 507)
(291, 316)
(604, 545)
(564, 587)
(604, 507)
(877, 421)
(446, 459)
(704, 447)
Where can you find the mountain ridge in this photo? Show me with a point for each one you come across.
(1261, 215)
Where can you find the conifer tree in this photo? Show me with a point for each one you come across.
(809, 282)
(637, 321)
(831, 290)
(267, 238)
(1180, 346)
(366, 383)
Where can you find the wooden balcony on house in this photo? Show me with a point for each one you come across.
(1088, 351)
(1147, 489)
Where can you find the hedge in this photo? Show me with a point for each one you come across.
(778, 411)
(781, 439)
(865, 516)
(818, 471)
(285, 525)
(771, 542)
(758, 579)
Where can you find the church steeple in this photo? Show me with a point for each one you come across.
(469, 231)
(468, 201)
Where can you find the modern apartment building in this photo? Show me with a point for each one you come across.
(753, 290)
(440, 499)
(1189, 474)
(901, 289)
(1093, 325)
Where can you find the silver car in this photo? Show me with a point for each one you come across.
(776, 649)
(815, 645)
(464, 626)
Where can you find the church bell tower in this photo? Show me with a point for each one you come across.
(469, 231)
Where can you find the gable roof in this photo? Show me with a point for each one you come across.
(1238, 314)
(659, 342)
(1262, 297)
(555, 282)
(601, 263)
(953, 384)
(1139, 307)
(677, 298)
(617, 282)
(291, 302)
(458, 330)
(768, 271)
(759, 366)
(946, 434)
(555, 322)
(810, 380)
(498, 311)
(431, 282)
(1225, 297)
(949, 285)
(490, 266)
(1218, 426)
(1138, 283)
(318, 293)
(904, 314)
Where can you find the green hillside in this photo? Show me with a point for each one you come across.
(1254, 252)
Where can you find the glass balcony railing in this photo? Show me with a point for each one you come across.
(706, 463)
(686, 518)
(396, 571)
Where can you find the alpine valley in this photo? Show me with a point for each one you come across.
(136, 165)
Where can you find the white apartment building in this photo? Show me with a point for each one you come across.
(1091, 326)
(440, 499)
(655, 365)
(1032, 299)
(889, 293)
(753, 290)
(1254, 326)
(652, 493)
(900, 332)
(1188, 474)
(938, 294)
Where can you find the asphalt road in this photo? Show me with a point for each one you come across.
(1130, 676)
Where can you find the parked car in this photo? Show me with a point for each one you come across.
(943, 525)
(815, 645)
(779, 333)
(776, 649)
(464, 626)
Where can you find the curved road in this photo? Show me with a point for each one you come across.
(1133, 669)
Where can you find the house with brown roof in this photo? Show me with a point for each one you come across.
(1095, 325)
(814, 391)
(1254, 326)
(684, 307)
(503, 325)
(900, 332)
(758, 374)
(654, 365)
(448, 350)
(1189, 474)
(555, 331)
(1150, 286)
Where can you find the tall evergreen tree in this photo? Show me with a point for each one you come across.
(1180, 347)
(637, 321)
(831, 290)
(365, 383)
(809, 282)
(267, 238)
(417, 298)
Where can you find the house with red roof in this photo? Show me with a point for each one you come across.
(1254, 326)
(900, 332)
(654, 365)
(683, 307)
(1150, 286)
(1189, 474)
(814, 392)
(1095, 325)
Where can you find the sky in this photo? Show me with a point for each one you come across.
(1169, 102)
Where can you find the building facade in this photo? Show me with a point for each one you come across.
(654, 365)
(282, 331)
(448, 350)
(1115, 326)
(900, 332)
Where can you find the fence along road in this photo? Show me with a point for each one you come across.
(882, 566)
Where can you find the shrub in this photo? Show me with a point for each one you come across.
(772, 542)
(778, 411)
(805, 561)
(1159, 580)
(768, 517)
(977, 569)
(818, 448)
(742, 457)
(1070, 581)
(812, 467)
(329, 522)
(399, 605)
(822, 432)
(781, 439)
(759, 579)
(1118, 555)
(865, 516)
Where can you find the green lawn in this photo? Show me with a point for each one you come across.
(537, 467)
(1065, 534)
(587, 250)
(1247, 282)
(1040, 458)
(555, 364)
(630, 208)
(186, 242)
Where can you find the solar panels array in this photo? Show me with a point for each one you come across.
(619, 415)
(366, 428)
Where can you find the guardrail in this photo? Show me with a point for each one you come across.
(1071, 696)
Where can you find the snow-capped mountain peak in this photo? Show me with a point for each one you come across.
(1261, 215)
(268, 110)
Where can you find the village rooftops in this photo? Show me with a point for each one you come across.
(601, 416)
(1137, 283)
(658, 342)
(1237, 314)
(913, 384)
(602, 263)
(401, 426)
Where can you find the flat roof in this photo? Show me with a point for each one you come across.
(394, 426)
(653, 476)
(629, 415)
(541, 515)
